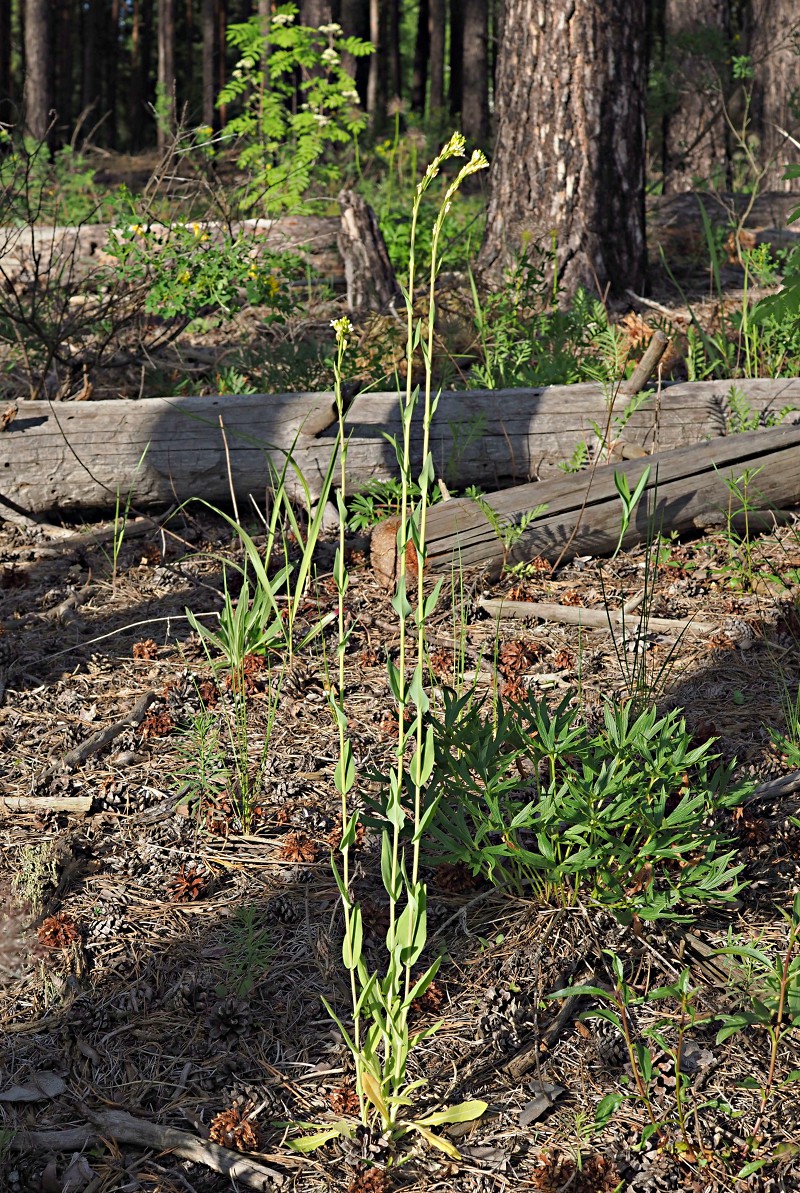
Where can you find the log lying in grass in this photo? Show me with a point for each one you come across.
(79, 455)
(583, 511)
(65, 253)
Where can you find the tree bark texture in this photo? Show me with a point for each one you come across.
(697, 37)
(775, 54)
(38, 83)
(81, 455)
(569, 158)
(475, 68)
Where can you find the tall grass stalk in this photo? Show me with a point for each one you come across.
(381, 1041)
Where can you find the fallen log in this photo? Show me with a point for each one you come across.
(61, 254)
(583, 511)
(70, 456)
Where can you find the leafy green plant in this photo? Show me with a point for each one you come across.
(773, 1008)
(525, 339)
(624, 816)
(620, 1006)
(201, 774)
(296, 103)
(741, 498)
(379, 500)
(381, 1040)
(248, 952)
(630, 501)
(190, 268)
(508, 530)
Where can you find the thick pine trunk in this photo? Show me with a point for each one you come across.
(775, 53)
(697, 38)
(38, 83)
(569, 157)
(475, 100)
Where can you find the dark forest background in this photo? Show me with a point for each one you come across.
(100, 66)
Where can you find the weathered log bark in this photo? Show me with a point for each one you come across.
(582, 515)
(78, 455)
(369, 277)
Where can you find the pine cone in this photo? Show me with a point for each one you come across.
(367, 1145)
(187, 885)
(58, 931)
(283, 910)
(231, 1129)
(373, 1180)
(229, 1021)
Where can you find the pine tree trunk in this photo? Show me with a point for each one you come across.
(456, 93)
(569, 157)
(315, 13)
(697, 41)
(166, 72)
(475, 99)
(774, 45)
(208, 21)
(38, 96)
(63, 63)
(438, 28)
(112, 48)
(6, 95)
(354, 19)
(422, 50)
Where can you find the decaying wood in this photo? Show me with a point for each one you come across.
(647, 365)
(102, 737)
(684, 485)
(593, 619)
(79, 456)
(75, 805)
(369, 277)
(137, 1132)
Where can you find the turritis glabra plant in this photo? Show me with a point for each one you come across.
(380, 1037)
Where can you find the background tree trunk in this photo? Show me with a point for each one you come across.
(774, 45)
(569, 158)
(63, 62)
(6, 94)
(166, 72)
(38, 94)
(112, 57)
(475, 99)
(208, 22)
(422, 49)
(456, 89)
(438, 25)
(315, 13)
(354, 19)
(697, 35)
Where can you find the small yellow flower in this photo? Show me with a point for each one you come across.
(183, 278)
(274, 286)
